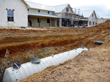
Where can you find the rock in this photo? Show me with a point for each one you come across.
(68, 67)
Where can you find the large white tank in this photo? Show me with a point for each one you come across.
(27, 69)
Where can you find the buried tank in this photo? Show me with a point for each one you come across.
(21, 71)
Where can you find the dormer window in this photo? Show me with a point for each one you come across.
(27, 9)
(67, 9)
(53, 12)
(89, 22)
(39, 11)
(48, 12)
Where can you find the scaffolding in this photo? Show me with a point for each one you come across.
(68, 18)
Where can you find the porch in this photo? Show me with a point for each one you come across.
(80, 23)
(66, 22)
(42, 20)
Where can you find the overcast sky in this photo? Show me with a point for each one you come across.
(102, 7)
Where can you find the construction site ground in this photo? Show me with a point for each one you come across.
(89, 66)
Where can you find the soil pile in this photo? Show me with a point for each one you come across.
(89, 66)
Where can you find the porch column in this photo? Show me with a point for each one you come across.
(55, 22)
(39, 21)
(50, 23)
(72, 22)
(60, 22)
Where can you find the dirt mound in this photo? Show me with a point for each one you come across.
(89, 66)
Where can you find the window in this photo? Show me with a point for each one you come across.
(27, 9)
(67, 9)
(93, 23)
(10, 15)
(89, 22)
(39, 11)
(48, 20)
(53, 12)
(38, 20)
(48, 12)
(92, 15)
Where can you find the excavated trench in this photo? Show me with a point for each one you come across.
(47, 41)
(16, 40)
(30, 45)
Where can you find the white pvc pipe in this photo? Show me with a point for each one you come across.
(27, 69)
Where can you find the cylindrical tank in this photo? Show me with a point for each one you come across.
(27, 69)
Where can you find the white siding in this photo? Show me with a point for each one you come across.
(58, 14)
(69, 10)
(44, 22)
(20, 13)
(41, 11)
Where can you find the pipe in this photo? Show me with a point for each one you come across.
(99, 42)
(27, 69)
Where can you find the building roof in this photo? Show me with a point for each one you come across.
(59, 8)
(39, 6)
(25, 3)
(43, 15)
(88, 13)
(95, 14)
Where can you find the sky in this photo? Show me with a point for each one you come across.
(101, 7)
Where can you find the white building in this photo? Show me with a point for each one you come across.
(92, 20)
(91, 16)
(20, 13)
(13, 13)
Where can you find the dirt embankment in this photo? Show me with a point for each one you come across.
(18, 40)
(26, 44)
(89, 66)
